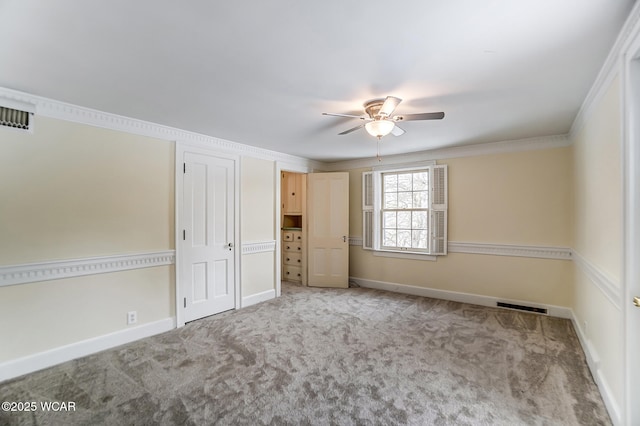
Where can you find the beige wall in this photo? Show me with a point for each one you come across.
(258, 273)
(598, 232)
(49, 314)
(514, 198)
(72, 191)
(519, 198)
(76, 191)
(514, 278)
(257, 224)
(598, 184)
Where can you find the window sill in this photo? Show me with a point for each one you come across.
(407, 255)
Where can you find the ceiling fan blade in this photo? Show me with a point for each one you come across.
(390, 104)
(343, 115)
(353, 129)
(422, 116)
(397, 131)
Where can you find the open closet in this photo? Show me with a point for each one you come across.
(293, 219)
(315, 228)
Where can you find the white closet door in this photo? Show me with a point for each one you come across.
(207, 267)
(328, 229)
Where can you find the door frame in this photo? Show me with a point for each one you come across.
(181, 149)
(279, 168)
(631, 225)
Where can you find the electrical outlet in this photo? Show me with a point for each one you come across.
(132, 317)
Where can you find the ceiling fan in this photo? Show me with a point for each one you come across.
(379, 122)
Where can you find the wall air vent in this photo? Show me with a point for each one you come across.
(16, 115)
(17, 119)
(522, 308)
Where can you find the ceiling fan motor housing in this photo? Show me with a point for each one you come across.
(372, 107)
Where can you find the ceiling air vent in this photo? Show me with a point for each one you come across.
(16, 115)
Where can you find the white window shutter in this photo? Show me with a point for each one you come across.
(367, 190)
(367, 229)
(367, 211)
(439, 207)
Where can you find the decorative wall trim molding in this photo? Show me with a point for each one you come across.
(561, 253)
(259, 247)
(49, 358)
(530, 144)
(258, 298)
(77, 114)
(355, 241)
(69, 268)
(605, 283)
(474, 299)
(541, 252)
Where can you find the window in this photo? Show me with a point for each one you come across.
(405, 210)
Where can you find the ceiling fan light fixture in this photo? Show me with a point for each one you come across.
(379, 128)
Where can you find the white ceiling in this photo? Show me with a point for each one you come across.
(262, 72)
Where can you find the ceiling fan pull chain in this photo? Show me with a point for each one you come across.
(378, 151)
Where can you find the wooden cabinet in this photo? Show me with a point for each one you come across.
(293, 261)
(294, 186)
(294, 205)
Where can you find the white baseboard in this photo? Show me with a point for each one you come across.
(258, 297)
(49, 358)
(593, 360)
(474, 299)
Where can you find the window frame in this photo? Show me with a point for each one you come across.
(372, 211)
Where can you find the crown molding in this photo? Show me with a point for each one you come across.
(609, 70)
(69, 268)
(517, 145)
(259, 247)
(68, 112)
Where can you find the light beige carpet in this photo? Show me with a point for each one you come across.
(321, 356)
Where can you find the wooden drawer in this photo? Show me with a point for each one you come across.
(293, 259)
(297, 236)
(292, 247)
(291, 273)
(287, 236)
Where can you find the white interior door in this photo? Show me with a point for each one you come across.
(632, 237)
(328, 229)
(207, 264)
